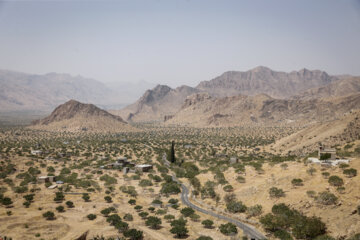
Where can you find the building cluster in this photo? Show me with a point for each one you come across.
(327, 156)
(127, 166)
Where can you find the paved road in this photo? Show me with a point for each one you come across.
(249, 230)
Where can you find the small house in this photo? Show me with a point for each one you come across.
(143, 167)
(234, 160)
(36, 152)
(44, 179)
(327, 153)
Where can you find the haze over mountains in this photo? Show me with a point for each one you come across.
(30, 92)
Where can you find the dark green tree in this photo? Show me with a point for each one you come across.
(153, 222)
(172, 152)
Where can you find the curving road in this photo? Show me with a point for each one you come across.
(249, 230)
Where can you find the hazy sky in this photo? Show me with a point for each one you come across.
(178, 42)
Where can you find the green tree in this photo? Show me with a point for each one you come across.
(236, 207)
(178, 227)
(70, 204)
(297, 182)
(228, 229)
(336, 181)
(276, 192)
(91, 217)
(7, 201)
(208, 223)
(108, 199)
(351, 172)
(187, 211)
(204, 238)
(60, 208)
(153, 222)
(134, 234)
(49, 215)
(172, 152)
(86, 197)
(59, 196)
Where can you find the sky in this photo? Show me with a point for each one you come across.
(178, 42)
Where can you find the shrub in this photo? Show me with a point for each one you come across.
(108, 179)
(108, 199)
(228, 188)
(311, 171)
(343, 165)
(240, 179)
(326, 198)
(143, 215)
(297, 182)
(311, 193)
(145, 183)
(27, 204)
(170, 188)
(336, 181)
(29, 197)
(132, 201)
(128, 217)
(254, 211)
(236, 207)
(113, 219)
(86, 197)
(169, 217)
(7, 201)
(70, 204)
(138, 208)
(228, 229)
(194, 217)
(59, 196)
(325, 174)
(276, 192)
(91, 217)
(208, 223)
(283, 235)
(49, 215)
(351, 172)
(60, 208)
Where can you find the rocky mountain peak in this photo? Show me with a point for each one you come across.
(72, 109)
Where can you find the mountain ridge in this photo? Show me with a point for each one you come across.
(74, 116)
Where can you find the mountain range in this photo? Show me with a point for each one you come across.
(261, 95)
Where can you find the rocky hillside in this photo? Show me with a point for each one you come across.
(336, 132)
(74, 116)
(20, 91)
(340, 88)
(262, 80)
(201, 110)
(156, 103)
